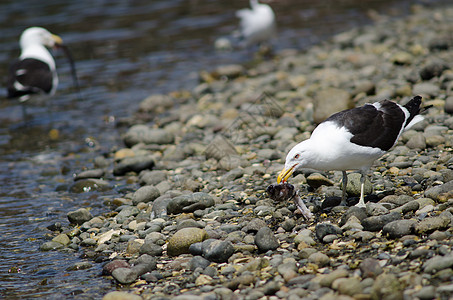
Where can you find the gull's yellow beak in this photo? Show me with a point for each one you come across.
(285, 174)
(58, 40)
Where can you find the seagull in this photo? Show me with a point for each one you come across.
(34, 72)
(258, 23)
(353, 139)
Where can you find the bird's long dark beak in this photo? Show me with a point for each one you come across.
(73, 69)
(285, 174)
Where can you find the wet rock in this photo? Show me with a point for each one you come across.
(124, 275)
(180, 242)
(133, 164)
(145, 194)
(190, 203)
(376, 223)
(83, 265)
(265, 240)
(49, 246)
(79, 216)
(89, 185)
(117, 295)
(399, 228)
(62, 239)
(110, 266)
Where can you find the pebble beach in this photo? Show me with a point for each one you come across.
(195, 221)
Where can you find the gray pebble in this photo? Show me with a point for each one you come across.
(133, 164)
(438, 263)
(399, 228)
(79, 216)
(218, 251)
(376, 223)
(145, 194)
(151, 249)
(370, 267)
(323, 229)
(190, 203)
(265, 240)
(124, 275)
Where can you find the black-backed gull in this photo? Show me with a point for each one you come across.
(353, 139)
(34, 72)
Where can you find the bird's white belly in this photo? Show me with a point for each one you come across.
(332, 160)
(335, 151)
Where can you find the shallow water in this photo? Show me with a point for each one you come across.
(124, 51)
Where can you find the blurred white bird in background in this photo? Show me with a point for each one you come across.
(257, 24)
(34, 72)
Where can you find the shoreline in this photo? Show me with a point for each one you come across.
(204, 164)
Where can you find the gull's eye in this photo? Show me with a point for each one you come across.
(296, 156)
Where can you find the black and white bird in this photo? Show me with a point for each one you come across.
(257, 24)
(34, 72)
(353, 139)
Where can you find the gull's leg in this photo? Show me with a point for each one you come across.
(362, 189)
(345, 183)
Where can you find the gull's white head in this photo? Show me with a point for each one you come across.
(298, 157)
(39, 36)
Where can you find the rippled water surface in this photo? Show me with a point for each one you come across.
(124, 51)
